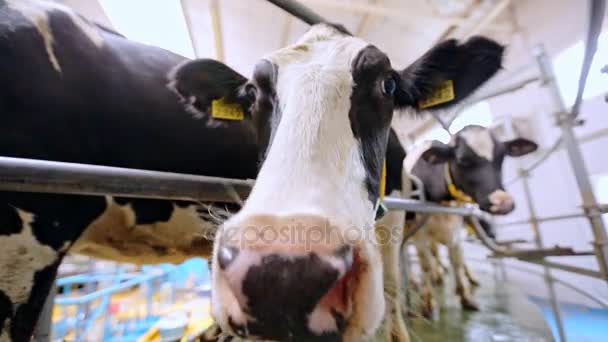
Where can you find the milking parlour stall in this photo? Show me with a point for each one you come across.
(310, 170)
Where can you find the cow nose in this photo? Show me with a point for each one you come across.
(501, 202)
(288, 289)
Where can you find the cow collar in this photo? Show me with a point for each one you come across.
(380, 207)
(456, 193)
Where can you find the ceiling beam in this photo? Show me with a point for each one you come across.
(371, 9)
(487, 18)
(188, 20)
(216, 27)
(366, 20)
(286, 31)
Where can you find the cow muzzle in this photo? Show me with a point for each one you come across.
(501, 203)
(286, 278)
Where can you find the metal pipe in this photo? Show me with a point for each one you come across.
(216, 26)
(509, 88)
(188, 20)
(538, 240)
(595, 19)
(299, 11)
(394, 203)
(561, 282)
(577, 162)
(28, 175)
(565, 267)
(487, 18)
(543, 219)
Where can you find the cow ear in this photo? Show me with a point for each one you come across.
(519, 147)
(438, 153)
(456, 70)
(201, 81)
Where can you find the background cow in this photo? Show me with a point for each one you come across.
(471, 165)
(74, 92)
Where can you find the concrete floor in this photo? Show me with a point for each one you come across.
(506, 314)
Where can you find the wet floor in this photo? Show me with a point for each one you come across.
(506, 314)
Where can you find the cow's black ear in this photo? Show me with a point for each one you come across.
(201, 81)
(449, 65)
(520, 146)
(438, 153)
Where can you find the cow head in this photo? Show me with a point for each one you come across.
(298, 262)
(475, 159)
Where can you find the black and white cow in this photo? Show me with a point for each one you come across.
(321, 109)
(73, 92)
(286, 266)
(471, 165)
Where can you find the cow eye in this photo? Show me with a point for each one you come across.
(389, 86)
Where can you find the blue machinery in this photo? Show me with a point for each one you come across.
(56, 177)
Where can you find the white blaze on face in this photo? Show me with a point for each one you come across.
(314, 165)
(37, 12)
(480, 141)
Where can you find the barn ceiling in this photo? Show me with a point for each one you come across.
(239, 32)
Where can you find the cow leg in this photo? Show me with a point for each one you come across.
(437, 267)
(31, 249)
(389, 233)
(18, 317)
(458, 266)
(429, 305)
(472, 280)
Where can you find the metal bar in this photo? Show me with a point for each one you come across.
(577, 162)
(394, 203)
(28, 175)
(366, 20)
(487, 18)
(108, 290)
(509, 88)
(188, 21)
(543, 219)
(299, 11)
(216, 25)
(565, 267)
(286, 31)
(538, 240)
(563, 283)
(596, 9)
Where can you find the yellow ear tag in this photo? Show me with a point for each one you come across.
(220, 109)
(444, 93)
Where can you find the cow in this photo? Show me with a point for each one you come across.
(72, 91)
(468, 169)
(314, 131)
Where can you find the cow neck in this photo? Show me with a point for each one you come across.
(456, 193)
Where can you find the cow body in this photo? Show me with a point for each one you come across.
(317, 116)
(469, 169)
(73, 92)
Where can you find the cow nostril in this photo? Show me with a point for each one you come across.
(226, 256)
